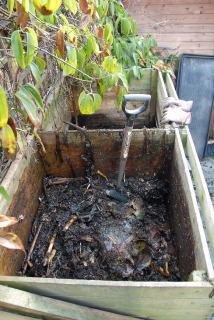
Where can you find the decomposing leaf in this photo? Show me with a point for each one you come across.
(4, 193)
(13, 126)
(85, 21)
(100, 32)
(7, 221)
(8, 139)
(83, 4)
(11, 241)
(4, 108)
(48, 8)
(60, 43)
(22, 15)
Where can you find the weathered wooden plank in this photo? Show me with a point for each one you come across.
(201, 190)
(161, 94)
(147, 155)
(23, 182)
(202, 255)
(37, 305)
(176, 28)
(179, 9)
(14, 316)
(175, 19)
(157, 300)
(200, 183)
(132, 3)
(191, 37)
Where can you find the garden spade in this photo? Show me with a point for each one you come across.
(131, 114)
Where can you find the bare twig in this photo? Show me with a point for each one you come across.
(63, 180)
(78, 128)
(70, 222)
(31, 249)
(50, 247)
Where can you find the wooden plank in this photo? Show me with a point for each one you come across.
(14, 316)
(175, 19)
(63, 152)
(129, 4)
(23, 182)
(201, 190)
(200, 183)
(203, 260)
(183, 37)
(37, 305)
(168, 9)
(161, 94)
(156, 300)
(175, 28)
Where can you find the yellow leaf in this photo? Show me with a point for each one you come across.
(11, 241)
(8, 139)
(4, 108)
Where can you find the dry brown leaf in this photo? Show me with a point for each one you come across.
(60, 45)
(11, 241)
(84, 6)
(85, 21)
(7, 221)
(22, 15)
(100, 32)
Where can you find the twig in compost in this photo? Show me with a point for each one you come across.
(52, 255)
(50, 247)
(63, 180)
(27, 263)
(70, 222)
(80, 129)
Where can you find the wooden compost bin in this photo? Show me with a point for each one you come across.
(109, 116)
(152, 152)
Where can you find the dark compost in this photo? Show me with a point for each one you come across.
(86, 234)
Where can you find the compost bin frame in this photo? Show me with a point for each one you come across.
(70, 299)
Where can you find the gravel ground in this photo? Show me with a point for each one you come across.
(207, 165)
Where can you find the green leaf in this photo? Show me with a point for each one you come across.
(110, 65)
(41, 64)
(97, 101)
(17, 48)
(71, 5)
(30, 106)
(124, 80)
(4, 193)
(107, 32)
(32, 45)
(125, 26)
(4, 108)
(36, 73)
(81, 55)
(8, 139)
(120, 96)
(10, 5)
(34, 93)
(86, 103)
(71, 59)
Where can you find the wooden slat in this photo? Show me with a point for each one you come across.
(14, 316)
(201, 248)
(161, 94)
(37, 305)
(177, 28)
(202, 190)
(156, 300)
(179, 9)
(132, 3)
(200, 183)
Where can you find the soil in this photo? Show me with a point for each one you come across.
(93, 230)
